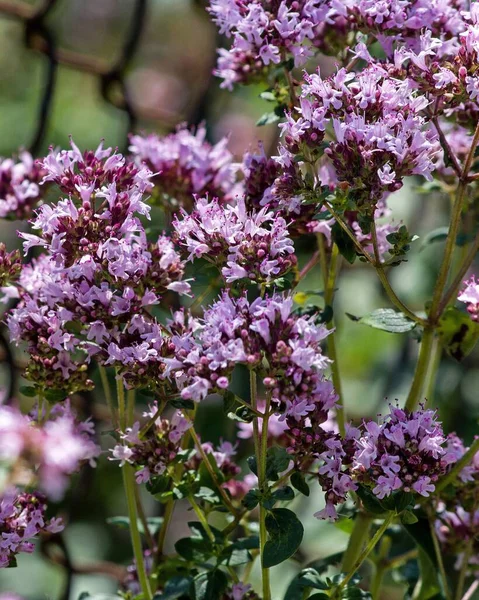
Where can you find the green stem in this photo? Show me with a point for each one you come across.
(463, 573)
(144, 522)
(211, 471)
(330, 281)
(202, 518)
(130, 401)
(453, 289)
(436, 353)
(357, 539)
(381, 566)
(385, 281)
(129, 485)
(169, 509)
(108, 396)
(421, 371)
(149, 424)
(441, 281)
(437, 550)
(120, 392)
(379, 571)
(261, 444)
(364, 554)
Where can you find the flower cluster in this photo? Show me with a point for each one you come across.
(22, 518)
(405, 452)
(184, 164)
(445, 70)
(90, 294)
(379, 136)
(264, 33)
(457, 523)
(470, 296)
(154, 450)
(396, 20)
(10, 265)
(19, 186)
(235, 331)
(253, 246)
(48, 453)
(313, 444)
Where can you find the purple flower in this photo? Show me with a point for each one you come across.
(22, 518)
(185, 164)
(470, 296)
(253, 246)
(405, 452)
(19, 186)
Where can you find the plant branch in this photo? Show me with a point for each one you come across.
(364, 554)
(212, 474)
(260, 443)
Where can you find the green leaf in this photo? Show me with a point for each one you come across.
(268, 96)
(421, 534)
(209, 586)
(299, 483)
(344, 243)
(408, 518)
(457, 332)
(436, 235)
(73, 326)
(428, 586)
(174, 588)
(386, 319)
(233, 557)
(397, 501)
(345, 524)
(369, 500)
(154, 523)
(194, 549)
(285, 536)
(306, 579)
(235, 410)
(267, 119)
(277, 461)
(251, 499)
(55, 395)
(158, 485)
(182, 403)
(284, 494)
(28, 391)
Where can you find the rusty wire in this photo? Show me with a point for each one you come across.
(112, 77)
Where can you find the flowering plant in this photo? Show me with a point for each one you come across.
(102, 299)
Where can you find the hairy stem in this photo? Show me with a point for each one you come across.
(437, 550)
(422, 367)
(129, 485)
(329, 279)
(357, 540)
(385, 281)
(463, 573)
(212, 473)
(168, 513)
(261, 445)
(108, 395)
(364, 554)
(202, 518)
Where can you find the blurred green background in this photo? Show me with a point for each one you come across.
(169, 81)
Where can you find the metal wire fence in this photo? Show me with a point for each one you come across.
(39, 37)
